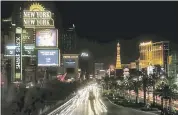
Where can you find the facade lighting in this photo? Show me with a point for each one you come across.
(118, 59)
(153, 53)
(146, 43)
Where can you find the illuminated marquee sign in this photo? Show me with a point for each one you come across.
(28, 50)
(84, 54)
(70, 56)
(10, 50)
(37, 17)
(18, 53)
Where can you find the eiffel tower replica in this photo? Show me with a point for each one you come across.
(118, 58)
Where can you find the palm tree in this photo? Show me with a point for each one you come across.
(143, 73)
(173, 92)
(147, 82)
(173, 87)
(120, 87)
(144, 87)
(155, 77)
(136, 86)
(167, 92)
(106, 80)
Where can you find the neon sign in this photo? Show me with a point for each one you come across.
(70, 56)
(37, 17)
(18, 53)
(84, 54)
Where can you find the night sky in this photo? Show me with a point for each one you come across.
(109, 22)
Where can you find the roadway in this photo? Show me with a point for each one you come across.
(80, 105)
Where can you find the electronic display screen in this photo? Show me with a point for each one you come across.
(69, 63)
(48, 57)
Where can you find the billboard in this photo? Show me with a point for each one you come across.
(69, 63)
(28, 36)
(46, 38)
(48, 57)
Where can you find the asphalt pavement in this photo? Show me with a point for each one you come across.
(81, 105)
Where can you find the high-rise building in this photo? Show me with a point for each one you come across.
(173, 64)
(68, 40)
(118, 58)
(154, 53)
(98, 67)
(9, 26)
(7, 29)
(7, 46)
(145, 54)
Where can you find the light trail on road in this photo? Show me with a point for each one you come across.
(80, 104)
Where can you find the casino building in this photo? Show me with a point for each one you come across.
(18, 35)
(71, 65)
(156, 53)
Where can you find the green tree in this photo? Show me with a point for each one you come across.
(167, 92)
(136, 87)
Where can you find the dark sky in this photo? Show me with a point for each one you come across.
(107, 21)
(112, 21)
